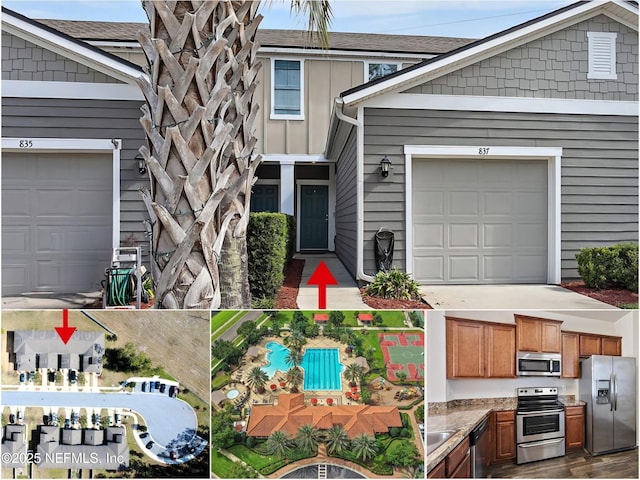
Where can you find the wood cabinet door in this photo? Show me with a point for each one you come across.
(550, 337)
(590, 345)
(505, 437)
(501, 350)
(438, 471)
(570, 355)
(611, 346)
(574, 428)
(465, 349)
(528, 331)
(464, 469)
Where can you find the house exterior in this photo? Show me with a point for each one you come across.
(14, 441)
(550, 105)
(36, 349)
(508, 154)
(290, 413)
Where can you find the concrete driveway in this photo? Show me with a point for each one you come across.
(168, 419)
(497, 297)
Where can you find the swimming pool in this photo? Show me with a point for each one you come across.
(322, 367)
(231, 394)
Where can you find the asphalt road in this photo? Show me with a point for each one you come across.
(168, 419)
(231, 334)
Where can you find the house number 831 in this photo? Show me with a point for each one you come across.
(483, 151)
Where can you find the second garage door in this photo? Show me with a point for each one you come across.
(479, 221)
(56, 221)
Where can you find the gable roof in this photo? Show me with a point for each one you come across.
(624, 12)
(68, 46)
(369, 42)
(291, 413)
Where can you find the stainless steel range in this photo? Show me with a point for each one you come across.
(539, 424)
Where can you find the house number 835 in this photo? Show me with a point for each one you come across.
(26, 143)
(483, 151)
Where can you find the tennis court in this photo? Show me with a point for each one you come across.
(403, 352)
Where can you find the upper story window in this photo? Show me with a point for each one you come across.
(602, 55)
(375, 70)
(286, 89)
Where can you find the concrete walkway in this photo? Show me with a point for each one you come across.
(53, 301)
(344, 296)
(543, 297)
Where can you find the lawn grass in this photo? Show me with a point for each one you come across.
(221, 318)
(253, 458)
(219, 381)
(221, 465)
(230, 322)
(202, 408)
(393, 319)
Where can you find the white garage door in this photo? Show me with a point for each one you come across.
(56, 221)
(479, 221)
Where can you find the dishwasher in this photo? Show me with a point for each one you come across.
(479, 441)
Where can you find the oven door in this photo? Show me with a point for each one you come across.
(539, 425)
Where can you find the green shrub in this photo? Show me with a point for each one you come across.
(393, 284)
(268, 245)
(615, 266)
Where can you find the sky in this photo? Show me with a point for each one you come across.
(453, 18)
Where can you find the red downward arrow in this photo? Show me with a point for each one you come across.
(322, 277)
(65, 331)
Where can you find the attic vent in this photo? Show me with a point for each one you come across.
(602, 55)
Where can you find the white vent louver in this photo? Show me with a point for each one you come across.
(602, 55)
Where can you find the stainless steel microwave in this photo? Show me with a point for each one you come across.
(539, 364)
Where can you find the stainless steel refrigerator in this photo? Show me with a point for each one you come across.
(608, 387)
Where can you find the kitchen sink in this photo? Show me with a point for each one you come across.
(435, 439)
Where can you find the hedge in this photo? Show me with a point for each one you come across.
(270, 244)
(614, 266)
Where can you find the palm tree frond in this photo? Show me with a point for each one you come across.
(319, 15)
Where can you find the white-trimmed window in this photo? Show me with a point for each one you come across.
(287, 89)
(602, 55)
(374, 70)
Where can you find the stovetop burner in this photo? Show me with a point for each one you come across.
(533, 399)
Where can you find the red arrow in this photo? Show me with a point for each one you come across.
(65, 331)
(322, 277)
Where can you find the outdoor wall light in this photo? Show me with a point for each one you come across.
(142, 167)
(385, 164)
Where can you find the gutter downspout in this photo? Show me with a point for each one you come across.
(358, 122)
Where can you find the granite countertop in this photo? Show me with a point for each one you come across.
(463, 415)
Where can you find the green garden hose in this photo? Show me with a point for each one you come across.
(119, 286)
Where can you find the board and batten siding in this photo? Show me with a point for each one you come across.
(554, 66)
(66, 118)
(599, 169)
(346, 204)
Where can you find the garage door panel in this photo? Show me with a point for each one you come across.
(56, 221)
(464, 268)
(463, 236)
(495, 213)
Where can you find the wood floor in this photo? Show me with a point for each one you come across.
(574, 465)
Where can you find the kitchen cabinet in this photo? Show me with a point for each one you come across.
(592, 344)
(438, 471)
(480, 349)
(537, 334)
(570, 355)
(505, 436)
(458, 462)
(574, 427)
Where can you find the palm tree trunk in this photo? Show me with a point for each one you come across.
(198, 119)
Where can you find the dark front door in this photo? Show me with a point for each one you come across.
(314, 217)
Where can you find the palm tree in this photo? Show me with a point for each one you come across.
(307, 437)
(336, 439)
(294, 377)
(294, 358)
(278, 443)
(364, 446)
(353, 372)
(295, 341)
(257, 379)
(199, 122)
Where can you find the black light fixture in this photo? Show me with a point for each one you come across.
(385, 164)
(142, 166)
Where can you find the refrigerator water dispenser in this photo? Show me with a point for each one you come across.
(603, 391)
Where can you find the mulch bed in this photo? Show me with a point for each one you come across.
(387, 304)
(613, 296)
(288, 294)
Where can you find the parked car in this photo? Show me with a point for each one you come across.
(45, 419)
(144, 386)
(54, 419)
(12, 418)
(149, 445)
(163, 387)
(118, 418)
(144, 435)
(73, 378)
(51, 376)
(173, 391)
(75, 417)
(20, 415)
(158, 384)
(32, 376)
(67, 423)
(23, 377)
(173, 455)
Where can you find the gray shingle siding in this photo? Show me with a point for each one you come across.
(346, 204)
(554, 66)
(22, 60)
(62, 118)
(599, 169)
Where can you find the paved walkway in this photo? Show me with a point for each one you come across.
(344, 296)
(53, 301)
(322, 457)
(530, 297)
